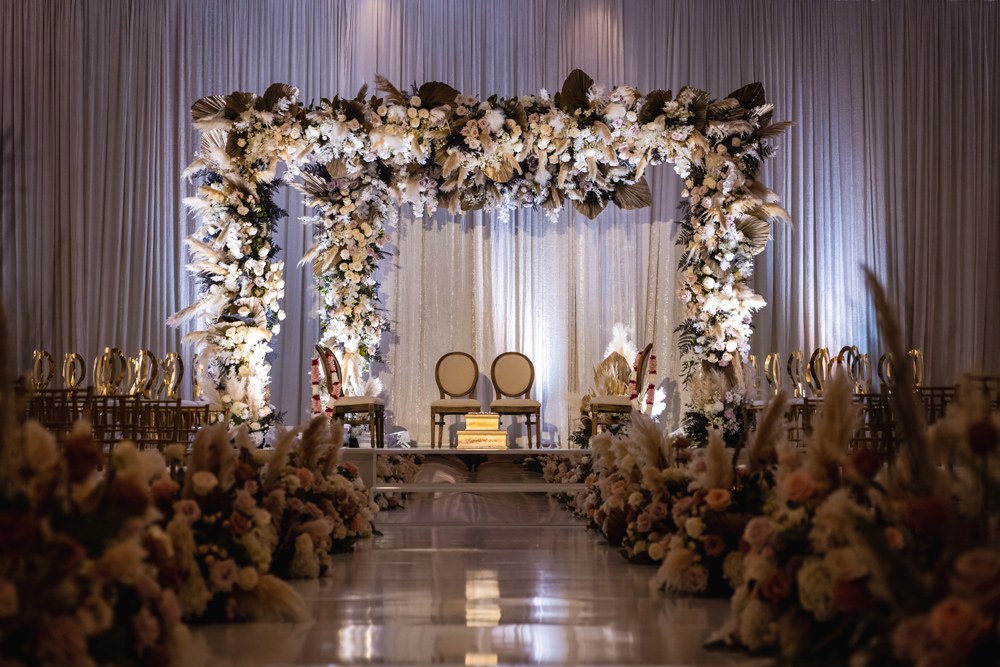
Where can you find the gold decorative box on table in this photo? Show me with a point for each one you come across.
(482, 432)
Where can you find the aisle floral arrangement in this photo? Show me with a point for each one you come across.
(433, 147)
(393, 468)
(83, 577)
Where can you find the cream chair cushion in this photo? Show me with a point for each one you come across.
(357, 401)
(512, 374)
(514, 403)
(617, 401)
(457, 374)
(458, 404)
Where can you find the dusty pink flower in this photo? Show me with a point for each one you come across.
(250, 486)
(274, 502)
(295, 504)
(223, 574)
(758, 532)
(957, 625)
(659, 511)
(245, 502)
(682, 505)
(147, 629)
(798, 486)
(305, 477)
(164, 489)
(187, 509)
(695, 579)
(314, 511)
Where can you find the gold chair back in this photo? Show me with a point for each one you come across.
(173, 373)
(143, 372)
(772, 371)
(817, 370)
(861, 371)
(917, 359)
(109, 372)
(794, 368)
(74, 371)
(43, 369)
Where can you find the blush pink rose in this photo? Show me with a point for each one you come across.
(295, 504)
(798, 486)
(659, 511)
(305, 477)
(644, 523)
(187, 509)
(147, 629)
(682, 505)
(758, 532)
(695, 579)
(223, 574)
(957, 625)
(245, 502)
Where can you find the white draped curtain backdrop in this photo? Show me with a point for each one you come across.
(892, 164)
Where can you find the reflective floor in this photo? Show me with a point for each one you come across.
(470, 579)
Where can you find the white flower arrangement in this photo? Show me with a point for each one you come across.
(355, 160)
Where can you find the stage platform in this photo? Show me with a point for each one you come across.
(464, 471)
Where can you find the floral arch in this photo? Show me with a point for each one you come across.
(357, 159)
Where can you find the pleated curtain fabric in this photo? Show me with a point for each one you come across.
(891, 165)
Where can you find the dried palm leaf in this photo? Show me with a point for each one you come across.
(554, 201)
(774, 130)
(257, 312)
(603, 131)
(762, 192)
(750, 95)
(208, 109)
(238, 102)
(383, 85)
(434, 94)
(201, 250)
(515, 111)
(771, 213)
(360, 97)
(756, 231)
(356, 111)
(193, 168)
(574, 91)
(633, 197)
(336, 168)
(653, 107)
(500, 171)
(611, 376)
(590, 207)
(275, 93)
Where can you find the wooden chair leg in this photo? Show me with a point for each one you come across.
(433, 427)
(538, 429)
(528, 428)
(593, 422)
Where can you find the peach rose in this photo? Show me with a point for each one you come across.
(306, 477)
(718, 500)
(164, 489)
(245, 502)
(682, 505)
(798, 486)
(957, 625)
(894, 538)
(644, 523)
(188, 510)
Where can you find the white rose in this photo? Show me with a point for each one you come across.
(204, 482)
(709, 282)
(694, 527)
(247, 578)
(415, 101)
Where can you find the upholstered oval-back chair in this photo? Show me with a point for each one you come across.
(513, 374)
(456, 375)
(606, 410)
(354, 410)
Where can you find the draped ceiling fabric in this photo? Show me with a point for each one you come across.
(891, 164)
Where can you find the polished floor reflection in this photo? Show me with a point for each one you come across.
(467, 579)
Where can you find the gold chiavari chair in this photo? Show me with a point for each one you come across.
(936, 401)
(799, 419)
(818, 370)
(59, 409)
(989, 386)
(110, 369)
(74, 371)
(794, 368)
(112, 418)
(877, 427)
(43, 370)
(157, 422)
